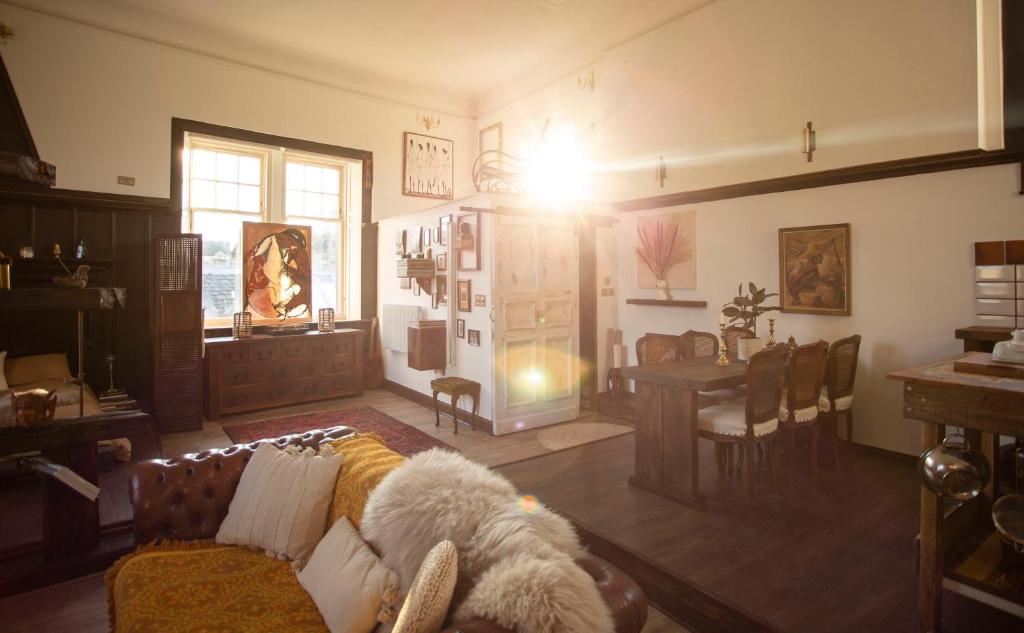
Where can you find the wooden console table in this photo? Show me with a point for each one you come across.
(666, 422)
(957, 543)
(268, 371)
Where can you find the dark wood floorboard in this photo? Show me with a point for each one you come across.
(832, 553)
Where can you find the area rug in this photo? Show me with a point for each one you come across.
(565, 436)
(399, 437)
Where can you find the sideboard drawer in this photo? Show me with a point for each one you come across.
(309, 389)
(343, 345)
(236, 354)
(263, 352)
(340, 384)
(241, 398)
(339, 364)
(292, 350)
(237, 374)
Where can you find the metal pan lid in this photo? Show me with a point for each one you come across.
(1008, 517)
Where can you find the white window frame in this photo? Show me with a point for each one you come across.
(272, 202)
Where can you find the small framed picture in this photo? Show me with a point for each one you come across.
(464, 293)
(468, 234)
(405, 283)
(474, 337)
(414, 240)
(400, 243)
(460, 328)
(434, 300)
(416, 288)
(427, 236)
(441, 289)
(480, 301)
(442, 262)
(444, 230)
(437, 234)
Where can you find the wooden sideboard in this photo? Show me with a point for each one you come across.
(269, 371)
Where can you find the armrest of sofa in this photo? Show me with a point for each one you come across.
(187, 497)
(624, 598)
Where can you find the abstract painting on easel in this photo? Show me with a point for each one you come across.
(676, 232)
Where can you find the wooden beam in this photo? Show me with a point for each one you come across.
(829, 177)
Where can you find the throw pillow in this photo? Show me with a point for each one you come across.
(3, 374)
(349, 585)
(281, 502)
(427, 602)
(366, 461)
(27, 369)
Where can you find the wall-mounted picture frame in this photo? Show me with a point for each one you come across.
(467, 238)
(815, 270)
(405, 283)
(416, 288)
(434, 300)
(444, 229)
(473, 337)
(465, 291)
(460, 328)
(400, 243)
(437, 234)
(428, 166)
(441, 289)
(414, 241)
(427, 237)
(442, 262)
(480, 301)
(491, 140)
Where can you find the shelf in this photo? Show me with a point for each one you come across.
(62, 298)
(974, 568)
(671, 303)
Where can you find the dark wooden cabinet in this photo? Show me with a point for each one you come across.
(270, 371)
(427, 343)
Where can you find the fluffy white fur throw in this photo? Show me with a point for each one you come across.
(437, 495)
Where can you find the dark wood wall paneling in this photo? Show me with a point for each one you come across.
(117, 230)
(179, 127)
(1013, 74)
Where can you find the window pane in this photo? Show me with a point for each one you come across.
(332, 180)
(222, 262)
(312, 204)
(249, 170)
(227, 196)
(314, 177)
(293, 176)
(202, 194)
(227, 167)
(325, 254)
(293, 202)
(249, 198)
(204, 164)
(330, 207)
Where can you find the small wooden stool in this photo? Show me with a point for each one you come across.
(456, 387)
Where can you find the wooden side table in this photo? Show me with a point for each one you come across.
(456, 388)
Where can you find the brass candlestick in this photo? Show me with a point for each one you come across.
(771, 331)
(723, 349)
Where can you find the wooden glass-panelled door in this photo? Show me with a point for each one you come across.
(536, 322)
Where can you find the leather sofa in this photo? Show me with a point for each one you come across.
(186, 498)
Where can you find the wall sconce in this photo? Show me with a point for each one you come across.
(430, 122)
(6, 32)
(810, 144)
(587, 80)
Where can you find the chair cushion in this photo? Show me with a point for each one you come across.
(281, 502)
(726, 395)
(807, 414)
(198, 586)
(842, 404)
(365, 461)
(731, 419)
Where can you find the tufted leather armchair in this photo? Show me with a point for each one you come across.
(187, 497)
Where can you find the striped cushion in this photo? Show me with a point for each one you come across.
(281, 502)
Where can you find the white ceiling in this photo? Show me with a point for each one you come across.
(462, 51)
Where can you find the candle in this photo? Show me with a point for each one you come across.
(721, 319)
(616, 356)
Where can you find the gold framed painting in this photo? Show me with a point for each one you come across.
(815, 270)
(428, 166)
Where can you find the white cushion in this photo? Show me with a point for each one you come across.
(726, 395)
(427, 602)
(351, 588)
(281, 502)
(842, 404)
(731, 419)
(3, 376)
(807, 414)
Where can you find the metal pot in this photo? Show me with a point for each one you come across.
(1008, 518)
(953, 470)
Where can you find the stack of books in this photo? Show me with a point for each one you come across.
(117, 400)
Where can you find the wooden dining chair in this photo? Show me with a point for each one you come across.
(657, 348)
(734, 333)
(799, 408)
(753, 421)
(837, 392)
(697, 344)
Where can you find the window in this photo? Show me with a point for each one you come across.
(227, 183)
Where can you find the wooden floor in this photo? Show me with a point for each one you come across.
(832, 553)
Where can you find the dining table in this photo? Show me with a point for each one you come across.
(667, 459)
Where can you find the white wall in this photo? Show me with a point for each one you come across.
(472, 362)
(100, 104)
(912, 270)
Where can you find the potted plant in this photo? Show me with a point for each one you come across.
(744, 310)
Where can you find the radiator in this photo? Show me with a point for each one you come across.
(395, 324)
